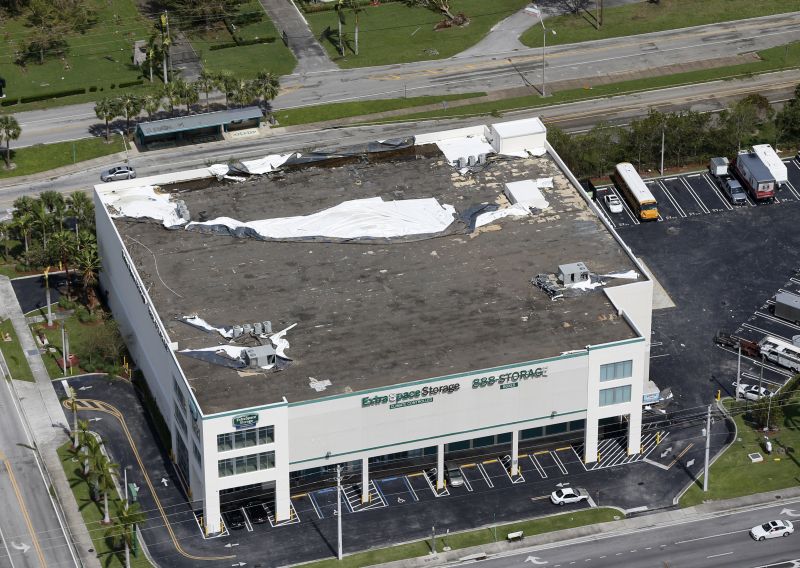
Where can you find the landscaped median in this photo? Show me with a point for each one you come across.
(484, 536)
(734, 474)
(12, 352)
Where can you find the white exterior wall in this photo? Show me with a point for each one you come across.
(343, 428)
(635, 300)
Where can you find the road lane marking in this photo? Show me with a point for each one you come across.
(718, 555)
(25, 514)
(710, 536)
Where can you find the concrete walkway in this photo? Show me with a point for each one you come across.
(48, 425)
(311, 57)
(504, 36)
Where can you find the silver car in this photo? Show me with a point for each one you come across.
(117, 173)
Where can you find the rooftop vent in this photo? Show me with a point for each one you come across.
(573, 273)
(261, 356)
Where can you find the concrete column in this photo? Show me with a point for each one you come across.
(590, 440)
(440, 466)
(283, 504)
(634, 432)
(212, 519)
(365, 481)
(514, 453)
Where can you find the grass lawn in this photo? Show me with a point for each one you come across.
(396, 33)
(82, 338)
(773, 59)
(733, 474)
(101, 57)
(246, 60)
(93, 513)
(43, 157)
(471, 538)
(334, 111)
(646, 17)
(12, 351)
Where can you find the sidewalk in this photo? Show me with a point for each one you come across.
(602, 530)
(47, 423)
(311, 56)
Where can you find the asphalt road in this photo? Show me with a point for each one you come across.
(31, 534)
(722, 540)
(578, 116)
(487, 72)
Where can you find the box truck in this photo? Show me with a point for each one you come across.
(787, 306)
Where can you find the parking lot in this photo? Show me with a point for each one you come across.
(554, 467)
(762, 323)
(696, 194)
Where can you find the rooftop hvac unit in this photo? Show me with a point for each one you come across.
(462, 163)
(237, 331)
(472, 160)
(573, 273)
(267, 327)
(481, 158)
(261, 356)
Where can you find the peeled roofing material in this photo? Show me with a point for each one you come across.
(143, 201)
(266, 164)
(455, 148)
(199, 322)
(491, 216)
(358, 218)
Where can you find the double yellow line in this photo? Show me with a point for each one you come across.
(24, 510)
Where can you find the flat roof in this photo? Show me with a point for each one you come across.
(195, 121)
(374, 315)
(757, 168)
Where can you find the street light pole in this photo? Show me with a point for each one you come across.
(339, 507)
(708, 449)
(124, 145)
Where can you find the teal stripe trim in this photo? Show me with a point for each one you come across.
(581, 353)
(244, 410)
(616, 343)
(436, 437)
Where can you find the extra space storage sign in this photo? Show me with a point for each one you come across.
(410, 397)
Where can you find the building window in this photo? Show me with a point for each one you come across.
(551, 429)
(616, 395)
(619, 370)
(178, 393)
(246, 464)
(530, 433)
(245, 438)
(179, 419)
(197, 455)
(577, 425)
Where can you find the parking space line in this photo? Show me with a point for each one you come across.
(485, 475)
(467, 484)
(792, 189)
(625, 206)
(770, 317)
(538, 466)
(247, 524)
(408, 483)
(559, 463)
(316, 506)
(506, 463)
(666, 191)
(756, 378)
(580, 459)
(720, 195)
(765, 332)
(444, 492)
(294, 518)
(693, 193)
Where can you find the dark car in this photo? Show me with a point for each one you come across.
(256, 512)
(234, 519)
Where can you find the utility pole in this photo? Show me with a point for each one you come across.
(339, 506)
(708, 449)
(739, 367)
(662, 149)
(47, 297)
(433, 540)
(64, 353)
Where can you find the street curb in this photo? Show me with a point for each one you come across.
(66, 170)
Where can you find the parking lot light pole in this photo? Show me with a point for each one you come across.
(708, 449)
(124, 145)
(339, 507)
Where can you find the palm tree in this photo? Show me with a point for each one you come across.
(187, 93)
(81, 428)
(242, 92)
(355, 8)
(56, 206)
(124, 528)
(62, 245)
(105, 476)
(265, 86)
(339, 7)
(43, 219)
(151, 104)
(5, 233)
(206, 83)
(171, 92)
(81, 208)
(130, 106)
(226, 83)
(23, 223)
(9, 130)
(92, 451)
(89, 264)
(107, 109)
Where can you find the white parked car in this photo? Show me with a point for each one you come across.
(613, 203)
(569, 495)
(117, 173)
(772, 529)
(752, 392)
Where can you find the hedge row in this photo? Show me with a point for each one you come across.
(68, 93)
(312, 7)
(241, 42)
